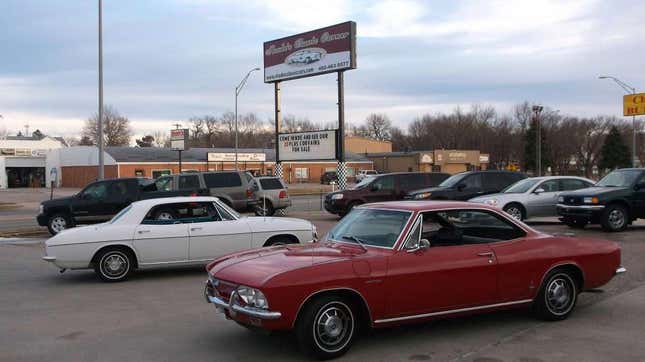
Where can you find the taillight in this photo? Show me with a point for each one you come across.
(283, 194)
(249, 193)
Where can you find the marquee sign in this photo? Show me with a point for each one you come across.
(317, 145)
(315, 52)
(241, 157)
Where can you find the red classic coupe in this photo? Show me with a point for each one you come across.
(390, 263)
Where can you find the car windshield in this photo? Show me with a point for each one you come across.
(623, 178)
(120, 214)
(452, 180)
(228, 209)
(370, 227)
(364, 182)
(521, 187)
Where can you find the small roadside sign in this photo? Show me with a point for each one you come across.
(634, 104)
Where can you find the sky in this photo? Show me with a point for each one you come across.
(168, 60)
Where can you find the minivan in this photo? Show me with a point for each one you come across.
(466, 185)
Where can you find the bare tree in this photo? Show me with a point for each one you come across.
(378, 126)
(160, 138)
(116, 129)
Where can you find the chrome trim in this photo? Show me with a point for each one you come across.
(49, 258)
(581, 207)
(235, 308)
(452, 311)
(621, 270)
(369, 311)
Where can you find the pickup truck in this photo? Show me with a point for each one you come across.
(101, 200)
(613, 202)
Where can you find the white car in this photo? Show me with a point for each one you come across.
(169, 231)
(363, 174)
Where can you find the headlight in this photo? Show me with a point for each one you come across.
(590, 200)
(423, 195)
(560, 199)
(252, 297)
(336, 196)
(491, 202)
(41, 209)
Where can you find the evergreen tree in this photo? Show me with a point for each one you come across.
(530, 152)
(614, 152)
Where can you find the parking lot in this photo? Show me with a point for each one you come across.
(161, 315)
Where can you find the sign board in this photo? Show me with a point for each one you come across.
(634, 104)
(302, 146)
(315, 52)
(179, 139)
(241, 157)
(484, 158)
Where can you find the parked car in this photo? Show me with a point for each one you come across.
(305, 56)
(385, 187)
(392, 263)
(467, 185)
(535, 196)
(614, 202)
(329, 177)
(101, 200)
(234, 188)
(271, 195)
(362, 174)
(177, 231)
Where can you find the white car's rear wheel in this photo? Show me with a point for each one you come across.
(113, 265)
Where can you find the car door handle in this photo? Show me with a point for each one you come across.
(143, 231)
(488, 254)
(195, 229)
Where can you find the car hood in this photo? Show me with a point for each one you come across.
(430, 189)
(500, 197)
(597, 190)
(61, 201)
(263, 224)
(255, 267)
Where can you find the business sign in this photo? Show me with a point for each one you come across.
(302, 146)
(179, 139)
(241, 157)
(634, 104)
(315, 52)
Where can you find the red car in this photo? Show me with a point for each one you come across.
(397, 262)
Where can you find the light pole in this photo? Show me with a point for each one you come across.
(629, 89)
(238, 89)
(100, 120)
(538, 145)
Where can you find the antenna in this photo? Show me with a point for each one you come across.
(177, 125)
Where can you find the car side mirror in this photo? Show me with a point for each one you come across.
(538, 191)
(86, 196)
(461, 187)
(423, 244)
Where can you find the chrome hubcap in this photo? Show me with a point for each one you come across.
(114, 265)
(616, 218)
(333, 327)
(559, 296)
(514, 212)
(58, 224)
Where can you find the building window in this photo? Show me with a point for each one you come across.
(159, 173)
(436, 168)
(139, 173)
(302, 173)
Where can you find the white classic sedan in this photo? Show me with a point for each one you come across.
(169, 231)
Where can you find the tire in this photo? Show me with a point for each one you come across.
(280, 240)
(615, 218)
(165, 214)
(58, 223)
(113, 265)
(575, 223)
(264, 208)
(557, 297)
(326, 327)
(516, 211)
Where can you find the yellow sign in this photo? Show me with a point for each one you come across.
(634, 104)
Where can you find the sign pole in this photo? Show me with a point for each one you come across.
(278, 163)
(340, 144)
(179, 161)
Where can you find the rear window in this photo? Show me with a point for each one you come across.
(188, 182)
(413, 181)
(222, 179)
(271, 184)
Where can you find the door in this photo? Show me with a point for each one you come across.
(381, 189)
(454, 272)
(120, 194)
(161, 240)
(222, 235)
(543, 198)
(469, 187)
(639, 196)
(90, 204)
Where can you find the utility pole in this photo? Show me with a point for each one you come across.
(629, 89)
(537, 109)
(100, 120)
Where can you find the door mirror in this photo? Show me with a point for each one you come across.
(423, 244)
(538, 191)
(86, 196)
(461, 187)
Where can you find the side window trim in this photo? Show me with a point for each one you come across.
(417, 224)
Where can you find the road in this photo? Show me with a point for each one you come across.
(160, 315)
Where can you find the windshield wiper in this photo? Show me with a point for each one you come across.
(356, 240)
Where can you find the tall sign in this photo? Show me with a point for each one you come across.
(315, 52)
(179, 139)
(634, 104)
(317, 145)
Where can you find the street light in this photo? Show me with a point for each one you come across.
(538, 145)
(100, 120)
(238, 89)
(629, 89)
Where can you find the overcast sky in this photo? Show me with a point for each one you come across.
(168, 60)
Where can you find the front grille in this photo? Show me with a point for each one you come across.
(572, 200)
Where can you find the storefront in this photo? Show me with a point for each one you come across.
(23, 160)
(448, 161)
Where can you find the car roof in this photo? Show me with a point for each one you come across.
(175, 199)
(423, 205)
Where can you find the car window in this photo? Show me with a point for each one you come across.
(413, 181)
(412, 241)
(493, 180)
(119, 189)
(385, 183)
(189, 182)
(222, 179)
(472, 181)
(181, 213)
(121, 213)
(436, 178)
(370, 226)
(271, 184)
(164, 183)
(96, 191)
(225, 212)
(458, 227)
(568, 184)
(549, 186)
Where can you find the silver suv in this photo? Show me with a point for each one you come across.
(270, 194)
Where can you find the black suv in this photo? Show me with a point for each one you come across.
(466, 185)
(614, 202)
(329, 177)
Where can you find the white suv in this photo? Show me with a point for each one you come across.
(362, 174)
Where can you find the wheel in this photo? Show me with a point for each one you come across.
(165, 214)
(264, 208)
(557, 297)
(326, 327)
(615, 218)
(58, 223)
(113, 265)
(279, 240)
(575, 223)
(516, 211)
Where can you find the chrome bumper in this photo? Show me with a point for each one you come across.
(581, 207)
(621, 270)
(233, 308)
(50, 259)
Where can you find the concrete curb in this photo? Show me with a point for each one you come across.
(24, 232)
(10, 206)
